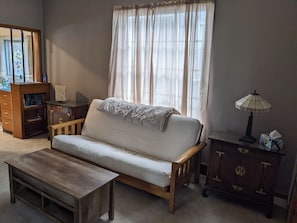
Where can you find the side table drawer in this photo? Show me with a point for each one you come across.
(58, 108)
(57, 117)
(59, 114)
(4, 95)
(7, 124)
(5, 113)
(63, 112)
(5, 104)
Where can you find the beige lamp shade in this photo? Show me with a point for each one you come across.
(253, 103)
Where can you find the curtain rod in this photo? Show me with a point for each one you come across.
(163, 3)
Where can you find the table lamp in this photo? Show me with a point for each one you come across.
(252, 103)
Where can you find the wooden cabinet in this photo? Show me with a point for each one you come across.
(29, 108)
(59, 112)
(6, 112)
(244, 170)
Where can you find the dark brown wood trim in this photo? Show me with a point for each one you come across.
(281, 195)
(19, 27)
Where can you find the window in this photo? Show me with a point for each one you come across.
(161, 54)
(20, 56)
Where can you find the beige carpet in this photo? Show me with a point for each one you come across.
(132, 205)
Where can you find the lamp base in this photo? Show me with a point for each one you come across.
(249, 139)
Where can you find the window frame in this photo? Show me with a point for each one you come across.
(36, 52)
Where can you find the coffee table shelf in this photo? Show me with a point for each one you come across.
(40, 201)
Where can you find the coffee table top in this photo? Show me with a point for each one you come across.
(66, 173)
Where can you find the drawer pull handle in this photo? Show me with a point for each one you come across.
(237, 188)
(265, 164)
(243, 150)
(261, 191)
(240, 170)
(216, 179)
(220, 153)
(6, 123)
(5, 104)
(5, 113)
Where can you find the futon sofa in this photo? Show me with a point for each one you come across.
(155, 160)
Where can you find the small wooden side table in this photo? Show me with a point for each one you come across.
(243, 170)
(59, 112)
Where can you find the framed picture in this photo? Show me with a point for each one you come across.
(60, 93)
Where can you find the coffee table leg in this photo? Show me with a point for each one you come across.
(78, 212)
(111, 201)
(12, 197)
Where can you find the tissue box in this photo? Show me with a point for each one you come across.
(271, 144)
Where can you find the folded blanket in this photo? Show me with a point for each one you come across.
(138, 114)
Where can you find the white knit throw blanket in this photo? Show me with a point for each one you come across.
(138, 114)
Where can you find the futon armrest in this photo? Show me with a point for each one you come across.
(186, 166)
(189, 153)
(73, 127)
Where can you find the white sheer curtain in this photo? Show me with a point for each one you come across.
(160, 55)
(2, 59)
(28, 57)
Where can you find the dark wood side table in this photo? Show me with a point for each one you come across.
(59, 112)
(240, 169)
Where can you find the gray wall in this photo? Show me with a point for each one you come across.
(78, 39)
(24, 13)
(254, 48)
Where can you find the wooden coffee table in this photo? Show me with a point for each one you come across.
(61, 186)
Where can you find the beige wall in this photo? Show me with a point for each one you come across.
(254, 48)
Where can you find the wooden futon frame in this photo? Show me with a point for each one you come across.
(185, 168)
